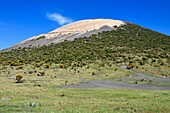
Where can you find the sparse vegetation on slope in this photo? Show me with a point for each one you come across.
(31, 78)
(130, 45)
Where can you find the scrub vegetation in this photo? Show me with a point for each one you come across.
(31, 78)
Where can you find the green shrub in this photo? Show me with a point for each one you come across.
(61, 65)
(46, 66)
(19, 67)
(18, 78)
(130, 66)
(41, 74)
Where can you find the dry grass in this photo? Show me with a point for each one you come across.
(37, 93)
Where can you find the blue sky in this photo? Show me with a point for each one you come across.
(21, 19)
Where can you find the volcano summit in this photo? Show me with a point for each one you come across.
(82, 28)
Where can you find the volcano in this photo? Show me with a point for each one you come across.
(82, 28)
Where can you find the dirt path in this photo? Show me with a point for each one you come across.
(144, 76)
(124, 83)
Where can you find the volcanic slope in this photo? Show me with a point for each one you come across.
(70, 32)
(130, 46)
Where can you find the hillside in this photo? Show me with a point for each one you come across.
(89, 74)
(129, 45)
(70, 32)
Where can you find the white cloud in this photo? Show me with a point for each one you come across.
(60, 19)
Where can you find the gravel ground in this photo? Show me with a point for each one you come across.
(123, 84)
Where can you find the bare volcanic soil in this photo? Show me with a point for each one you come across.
(139, 81)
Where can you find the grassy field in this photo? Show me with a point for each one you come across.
(20, 98)
(42, 94)
(55, 76)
